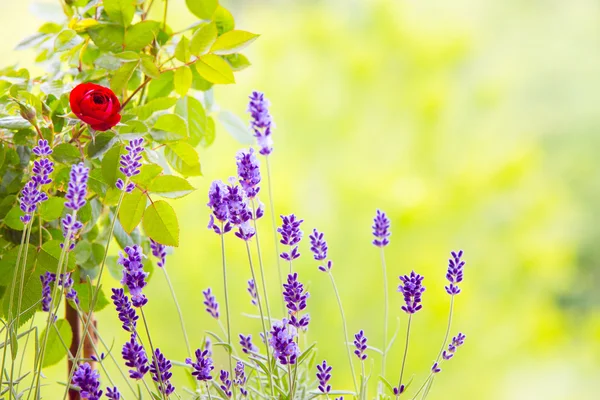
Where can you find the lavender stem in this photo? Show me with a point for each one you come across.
(260, 264)
(158, 373)
(404, 357)
(181, 321)
(385, 313)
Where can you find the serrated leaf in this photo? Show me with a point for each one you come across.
(170, 186)
(110, 166)
(232, 42)
(52, 208)
(209, 137)
(182, 51)
(132, 210)
(120, 11)
(160, 223)
(14, 123)
(49, 256)
(121, 77)
(13, 218)
(85, 297)
(30, 297)
(236, 127)
(82, 251)
(223, 19)
(149, 68)
(9, 261)
(66, 154)
(182, 80)
(108, 37)
(192, 111)
(203, 39)
(141, 35)
(183, 158)
(147, 174)
(59, 336)
(214, 69)
(101, 144)
(161, 87)
(171, 123)
(203, 9)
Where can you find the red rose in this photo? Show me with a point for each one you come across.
(95, 105)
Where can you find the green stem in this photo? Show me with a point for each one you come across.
(160, 380)
(227, 314)
(385, 313)
(339, 301)
(262, 318)
(404, 357)
(165, 14)
(181, 321)
(260, 264)
(208, 391)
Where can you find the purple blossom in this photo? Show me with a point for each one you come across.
(47, 279)
(457, 341)
(282, 337)
(135, 358)
(162, 375)
(324, 375)
(31, 196)
(412, 288)
(70, 228)
(455, 273)
(295, 298)
(399, 390)
(435, 368)
(261, 122)
(318, 246)
(66, 281)
(246, 343)
(290, 236)
(113, 393)
(77, 189)
(225, 383)
(159, 251)
(381, 229)
(42, 149)
(360, 342)
(239, 212)
(130, 163)
(240, 378)
(88, 381)
(252, 292)
(127, 314)
(202, 366)
(218, 203)
(248, 172)
(210, 301)
(41, 171)
(134, 276)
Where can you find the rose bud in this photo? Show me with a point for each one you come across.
(95, 105)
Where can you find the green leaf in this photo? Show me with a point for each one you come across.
(66, 40)
(132, 210)
(162, 86)
(183, 158)
(171, 123)
(237, 61)
(232, 42)
(182, 80)
(110, 166)
(59, 336)
(141, 35)
(182, 51)
(236, 127)
(149, 68)
(108, 37)
(209, 137)
(85, 297)
(162, 103)
(214, 69)
(13, 218)
(66, 154)
(9, 261)
(160, 223)
(14, 123)
(203, 39)
(170, 186)
(224, 20)
(52, 208)
(82, 251)
(203, 9)
(102, 143)
(121, 77)
(49, 255)
(192, 111)
(147, 174)
(120, 11)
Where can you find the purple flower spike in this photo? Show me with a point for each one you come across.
(218, 203)
(70, 227)
(31, 196)
(225, 383)
(162, 375)
(248, 172)
(294, 294)
(42, 149)
(202, 367)
(283, 344)
(41, 171)
(210, 301)
(67, 284)
(435, 368)
(412, 288)
(159, 251)
(113, 393)
(134, 276)
(455, 273)
(239, 212)
(318, 245)
(381, 229)
(399, 390)
(360, 342)
(47, 279)
(240, 378)
(290, 236)
(457, 341)
(246, 343)
(127, 314)
(135, 358)
(252, 291)
(88, 381)
(324, 375)
(77, 189)
(130, 163)
(261, 122)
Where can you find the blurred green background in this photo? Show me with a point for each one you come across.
(473, 124)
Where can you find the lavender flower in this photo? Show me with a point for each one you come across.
(246, 343)
(360, 342)
(208, 346)
(252, 291)
(290, 236)
(435, 368)
(210, 301)
(162, 375)
(240, 378)
(77, 189)
(134, 276)
(41, 171)
(47, 279)
(31, 196)
(202, 367)
(457, 341)
(399, 390)
(225, 383)
(70, 228)
(42, 149)
(218, 203)
(248, 172)
(282, 342)
(88, 381)
(324, 375)
(455, 273)
(159, 251)
(239, 212)
(295, 298)
(130, 163)
(113, 393)
(261, 122)
(412, 288)
(67, 284)
(318, 246)
(126, 312)
(135, 358)
(381, 229)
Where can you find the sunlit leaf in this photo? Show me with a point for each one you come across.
(59, 340)
(232, 42)
(203, 39)
(183, 158)
(202, 9)
(160, 223)
(170, 186)
(214, 69)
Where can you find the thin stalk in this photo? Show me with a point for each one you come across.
(363, 383)
(260, 264)
(181, 321)
(272, 209)
(161, 383)
(25, 347)
(262, 318)
(227, 314)
(290, 382)
(385, 312)
(404, 357)
(339, 301)
(165, 14)
(208, 390)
